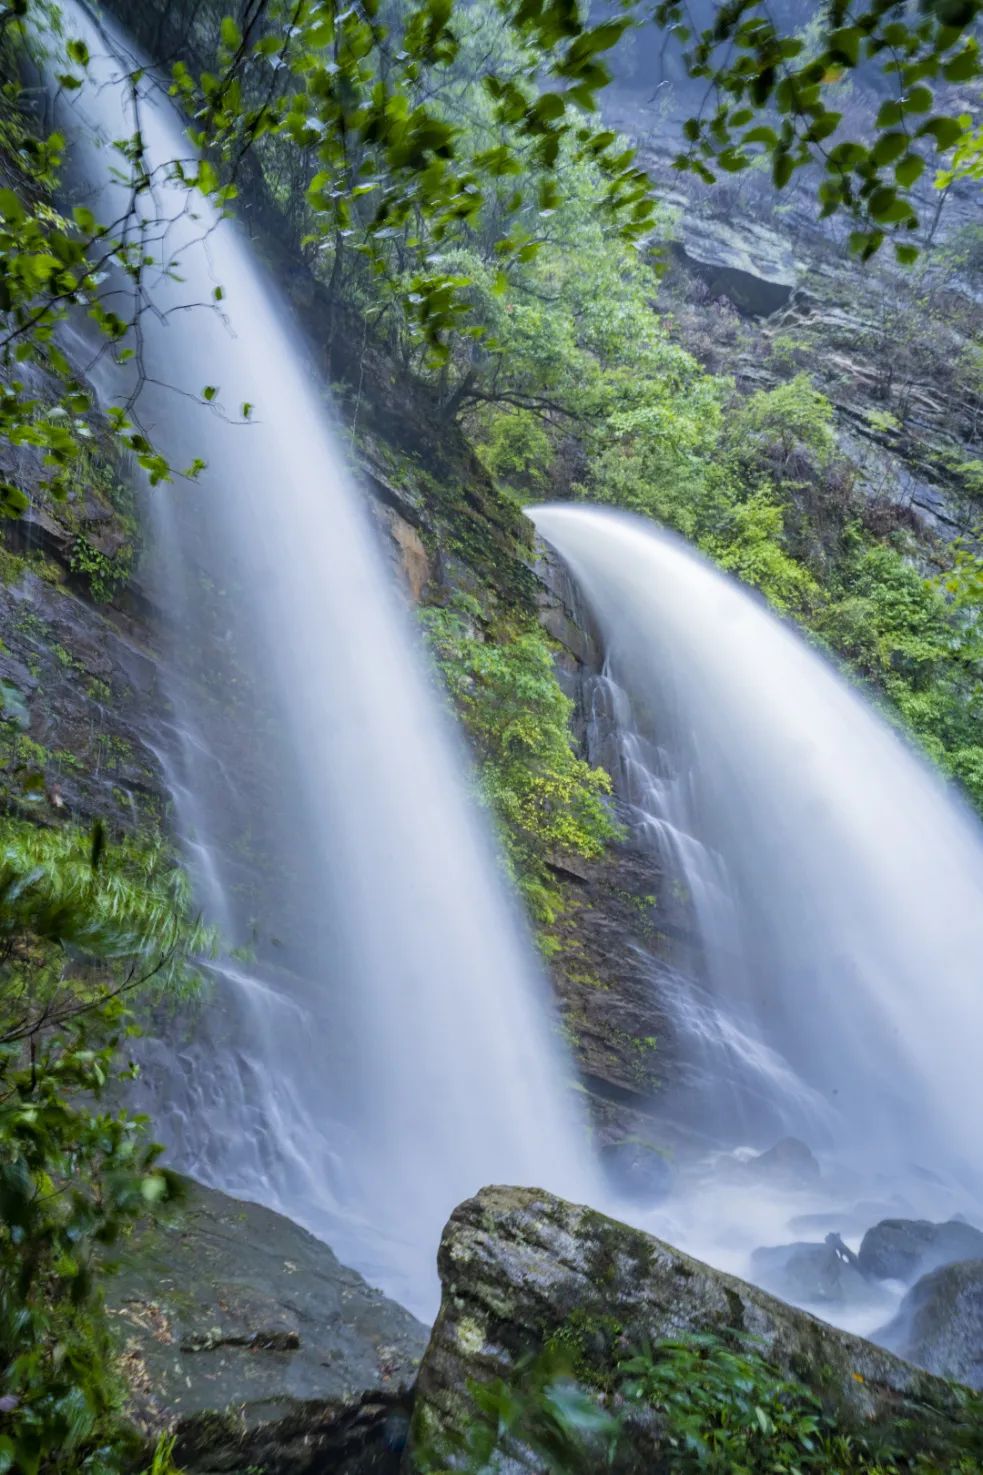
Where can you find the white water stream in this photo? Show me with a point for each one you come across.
(389, 1049)
(834, 883)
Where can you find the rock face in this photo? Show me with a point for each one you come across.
(813, 1274)
(904, 1249)
(939, 1324)
(520, 1267)
(249, 1339)
(789, 1161)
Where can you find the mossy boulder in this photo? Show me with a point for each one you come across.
(523, 1270)
(939, 1324)
(904, 1249)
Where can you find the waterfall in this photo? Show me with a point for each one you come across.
(833, 880)
(383, 1047)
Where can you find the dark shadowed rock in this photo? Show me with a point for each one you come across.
(939, 1324)
(638, 1169)
(789, 1161)
(520, 1267)
(247, 1336)
(813, 1274)
(904, 1249)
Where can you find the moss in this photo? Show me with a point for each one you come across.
(736, 1309)
(204, 1433)
(592, 1344)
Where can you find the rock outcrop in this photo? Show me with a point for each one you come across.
(939, 1323)
(813, 1274)
(789, 1162)
(521, 1268)
(246, 1337)
(904, 1249)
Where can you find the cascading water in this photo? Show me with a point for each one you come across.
(388, 1049)
(835, 884)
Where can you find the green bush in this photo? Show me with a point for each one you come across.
(83, 926)
(707, 1406)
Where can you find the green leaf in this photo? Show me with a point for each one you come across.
(843, 45)
(945, 131)
(11, 208)
(230, 34)
(782, 169)
(889, 146)
(14, 501)
(909, 169)
(918, 99)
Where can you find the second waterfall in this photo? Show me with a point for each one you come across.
(833, 883)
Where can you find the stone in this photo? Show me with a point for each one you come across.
(789, 1161)
(411, 554)
(521, 1268)
(814, 1275)
(247, 1337)
(638, 1169)
(904, 1249)
(939, 1324)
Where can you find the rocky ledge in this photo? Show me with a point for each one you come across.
(522, 1269)
(247, 1338)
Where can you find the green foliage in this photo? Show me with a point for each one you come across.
(779, 96)
(429, 155)
(70, 928)
(725, 1409)
(921, 642)
(515, 448)
(749, 541)
(104, 573)
(705, 1405)
(775, 428)
(49, 264)
(548, 802)
(81, 926)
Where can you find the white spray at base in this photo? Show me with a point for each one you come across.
(835, 885)
(390, 1050)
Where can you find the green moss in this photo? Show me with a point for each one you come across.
(591, 1344)
(548, 802)
(105, 574)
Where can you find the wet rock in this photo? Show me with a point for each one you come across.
(939, 1324)
(904, 1249)
(637, 1168)
(520, 1267)
(247, 1336)
(814, 1275)
(789, 1161)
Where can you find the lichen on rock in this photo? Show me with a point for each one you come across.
(538, 1272)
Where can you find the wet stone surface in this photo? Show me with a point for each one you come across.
(245, 1334)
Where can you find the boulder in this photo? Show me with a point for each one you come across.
(939, 1324)
(814, 1275)
(638, 1169)
(522, 1270)
(789, 1161)
(246, 1336)
(904, 1249)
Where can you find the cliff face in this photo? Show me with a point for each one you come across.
(760, 288)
